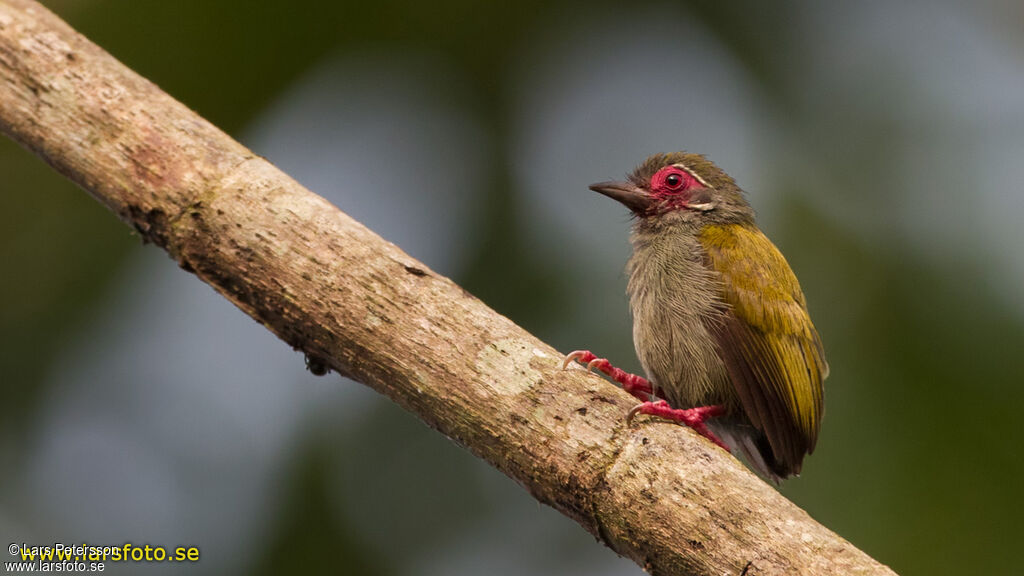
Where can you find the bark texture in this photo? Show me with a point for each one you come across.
(328, 286)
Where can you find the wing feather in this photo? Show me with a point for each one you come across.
(771, 350)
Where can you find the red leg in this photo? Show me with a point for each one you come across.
(635, 385)
(692, 417)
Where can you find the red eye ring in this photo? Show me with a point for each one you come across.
(671, 180)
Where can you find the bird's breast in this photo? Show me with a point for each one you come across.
(675, 298)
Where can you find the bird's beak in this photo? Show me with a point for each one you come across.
(633, 197)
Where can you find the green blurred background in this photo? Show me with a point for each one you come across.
(881, 144)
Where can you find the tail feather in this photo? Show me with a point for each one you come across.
(752, 445)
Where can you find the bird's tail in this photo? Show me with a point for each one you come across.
(752, 446)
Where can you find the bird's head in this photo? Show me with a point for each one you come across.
(688, 185)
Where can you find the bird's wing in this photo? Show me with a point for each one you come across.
(772, 351)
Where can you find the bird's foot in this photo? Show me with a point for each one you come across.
(692, 417)
(635, 385)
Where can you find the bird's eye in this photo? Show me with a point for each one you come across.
(670, 180)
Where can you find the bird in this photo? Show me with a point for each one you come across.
(720, 324)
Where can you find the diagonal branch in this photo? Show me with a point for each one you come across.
(328, 286)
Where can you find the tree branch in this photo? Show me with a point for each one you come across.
(328, 286)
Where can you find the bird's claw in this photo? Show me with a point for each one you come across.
(581, 356)
(635, 385)
(692, 417)
(642, 407)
